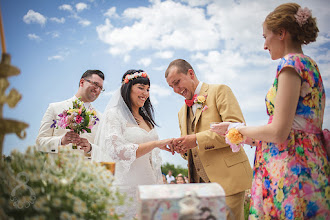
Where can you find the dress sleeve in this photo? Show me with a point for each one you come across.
(115, 146)
(293, 61)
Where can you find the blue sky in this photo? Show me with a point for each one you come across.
(54, 42)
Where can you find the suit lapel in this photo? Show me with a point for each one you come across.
(184, 120)
(198, 113)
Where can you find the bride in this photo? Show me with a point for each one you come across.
(127, 136)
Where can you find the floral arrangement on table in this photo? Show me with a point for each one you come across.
(34, 186)
(78, 119)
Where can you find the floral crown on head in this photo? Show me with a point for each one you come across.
(135, 75)
(302, 16)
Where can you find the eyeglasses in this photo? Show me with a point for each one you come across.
(95, 84)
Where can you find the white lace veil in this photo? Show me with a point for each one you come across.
(118, 105)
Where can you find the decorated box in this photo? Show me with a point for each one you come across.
(181, 201)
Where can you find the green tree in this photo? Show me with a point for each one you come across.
(175, 169)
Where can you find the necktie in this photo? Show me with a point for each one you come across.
(190, 102)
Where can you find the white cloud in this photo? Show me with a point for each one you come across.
(164, 54)
(161, 68)
(61, 54)
(84, 22)
(161, 91)
(81, 6)
(157, 92)
(127, 58)
(65, 7)
(144, 61)
(34, 17)
(197, 2)
(58, 20)
(56, 57)
(177, 22)
(34, 37)
(111, 13)
(53, 34)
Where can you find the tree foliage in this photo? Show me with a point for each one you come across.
(175, 169)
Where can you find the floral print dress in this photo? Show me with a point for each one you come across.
(291, 180)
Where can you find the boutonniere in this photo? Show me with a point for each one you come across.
(199, 101)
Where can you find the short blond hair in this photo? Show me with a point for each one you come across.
(181, 65)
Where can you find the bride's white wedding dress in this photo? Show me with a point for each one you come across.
(119, 142)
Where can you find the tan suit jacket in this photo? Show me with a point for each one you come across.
(48, 139)
(231, 170)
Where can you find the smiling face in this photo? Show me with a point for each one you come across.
(88, 91)
(139, 95)
(182, 84)
(273, 43)
(180, 180)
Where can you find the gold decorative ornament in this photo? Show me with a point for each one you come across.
(6, 70)
(110, 166)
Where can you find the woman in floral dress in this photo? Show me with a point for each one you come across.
(291, 169)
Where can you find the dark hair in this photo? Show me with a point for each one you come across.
(88, 73)
(181, 176)
(284, 17)
(182, 66)
(147, 111)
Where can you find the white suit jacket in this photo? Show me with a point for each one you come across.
(48, 139)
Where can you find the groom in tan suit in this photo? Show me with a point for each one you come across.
(210, 159)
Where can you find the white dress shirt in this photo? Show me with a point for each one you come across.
(197, 91)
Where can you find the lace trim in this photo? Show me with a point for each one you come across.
(116, 146)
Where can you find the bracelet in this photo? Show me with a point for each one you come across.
(91, 148)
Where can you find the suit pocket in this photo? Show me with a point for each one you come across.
(235, 159)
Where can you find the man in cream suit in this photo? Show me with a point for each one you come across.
(50, 138)
(210, 159)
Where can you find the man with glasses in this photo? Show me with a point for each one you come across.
(50, 138)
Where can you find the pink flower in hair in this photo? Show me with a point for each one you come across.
(302, 16)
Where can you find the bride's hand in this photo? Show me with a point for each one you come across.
(167, 145)
(220, 128)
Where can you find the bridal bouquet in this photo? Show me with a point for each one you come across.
(78, 118)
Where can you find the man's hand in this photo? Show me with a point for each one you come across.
(70, 137)
(84, 145)
(182, 144)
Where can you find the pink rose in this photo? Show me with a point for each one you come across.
(78, 119)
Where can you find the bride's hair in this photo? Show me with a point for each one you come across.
(147, 111)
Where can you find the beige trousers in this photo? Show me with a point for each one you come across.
(235, 206)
